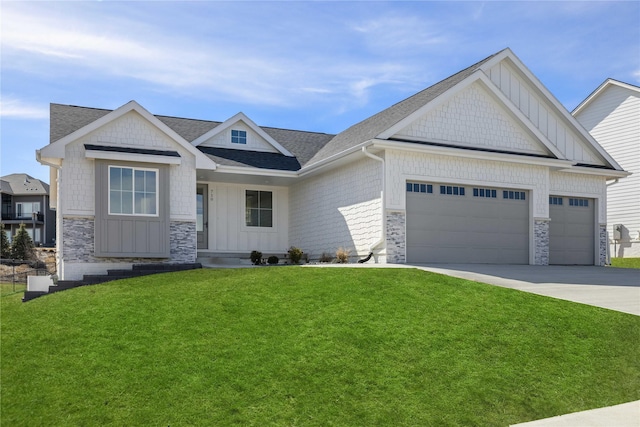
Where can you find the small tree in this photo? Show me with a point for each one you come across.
(5, 250)
(22, 246)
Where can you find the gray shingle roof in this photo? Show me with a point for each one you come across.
(378, 123)
(20, 184)
(307, 147)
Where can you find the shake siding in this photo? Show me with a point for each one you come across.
(340, 208)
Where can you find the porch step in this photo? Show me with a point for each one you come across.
(116, 274)
(29, 295)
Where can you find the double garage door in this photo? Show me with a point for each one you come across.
(486, 225)
(466, 224)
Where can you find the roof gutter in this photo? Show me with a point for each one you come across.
(306, 170)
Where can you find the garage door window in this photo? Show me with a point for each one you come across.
(583, 203)
(485, 192)
(513, 195)
(555, 201)
(414, 187)
(452, 190)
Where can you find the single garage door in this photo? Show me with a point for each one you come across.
(466, 224)
(571, 231)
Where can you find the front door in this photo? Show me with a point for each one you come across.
(202, 218)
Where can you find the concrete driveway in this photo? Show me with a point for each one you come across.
(607, 287)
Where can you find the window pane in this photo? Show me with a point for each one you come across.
(127, 202)
(115, 202)
(253, 217)
(266, 218)
(139, 203)
(139, 181)
(127, 179)
(266, 200)
(115, 179)
(409, 187)
(252, 199)
(150, 181)
(151, 204)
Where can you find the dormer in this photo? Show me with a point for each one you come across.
(240, 133)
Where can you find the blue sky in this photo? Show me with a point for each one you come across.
(318, 66)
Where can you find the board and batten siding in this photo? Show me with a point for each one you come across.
(228, 231)
(530, 103)
(340, 208)
(613, 119)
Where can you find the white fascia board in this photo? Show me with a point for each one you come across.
(478, 76)
(57, 149)
(315, 167)
(132, 157)
(608, 173)
(232, 121)
(239, 170)
(596, 93)
(550, 98)
(471, 154)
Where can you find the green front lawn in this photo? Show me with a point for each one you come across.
(625, 262)
(309, 347)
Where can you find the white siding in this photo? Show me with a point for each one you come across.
(254, 141)
(551, 124)
(472, 118)
(340, 208)
(613, 118)
(227, 228)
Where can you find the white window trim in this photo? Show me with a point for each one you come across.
(274, 204)
(157, 171)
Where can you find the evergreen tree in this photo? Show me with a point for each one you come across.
(5, 246)
(22, 246)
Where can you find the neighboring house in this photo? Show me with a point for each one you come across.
(485, 166)
(25, 200)
(612, 115)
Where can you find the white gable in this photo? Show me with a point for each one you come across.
(472, 117)
(254, 142)
(558, 128)
(256, 138)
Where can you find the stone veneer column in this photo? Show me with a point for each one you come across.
(78, 239)
(396, 238)
(541, 241)
(184, 242)
(604, 242)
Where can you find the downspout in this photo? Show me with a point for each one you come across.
(59, 231)
(615, 249)
(381, 240)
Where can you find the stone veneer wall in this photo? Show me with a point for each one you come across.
(396, 237)
(541, 242)
(603, 245)
(79, 243)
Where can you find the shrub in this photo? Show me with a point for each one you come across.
(22, 246)
(273, 260)
(343, 255)
(256, 257)
(5, 250)
(295, 254)
(325, 257)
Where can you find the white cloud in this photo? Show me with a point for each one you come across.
(18, 109)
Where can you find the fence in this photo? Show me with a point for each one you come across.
(15, 271)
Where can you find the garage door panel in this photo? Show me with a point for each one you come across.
(467, 229)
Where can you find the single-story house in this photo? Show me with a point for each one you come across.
(611, 114)
(485, 166)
